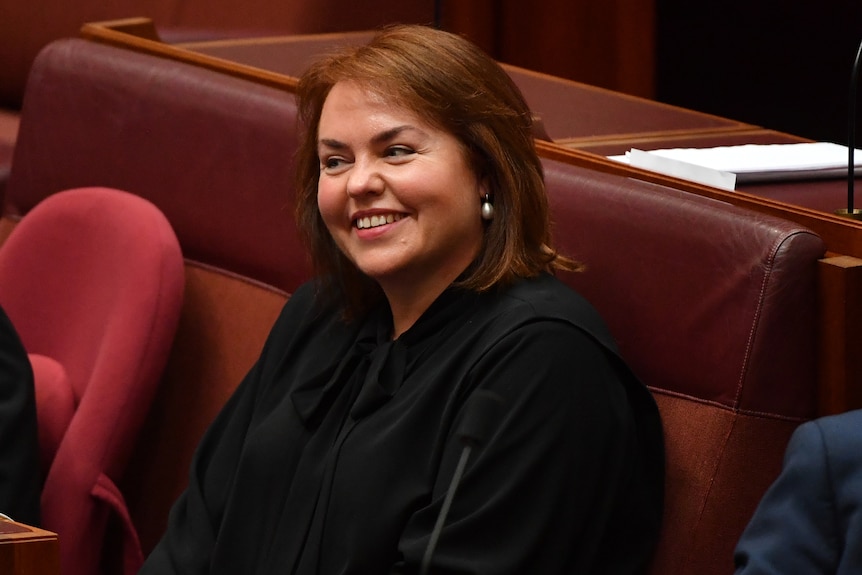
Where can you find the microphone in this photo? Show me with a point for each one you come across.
(480, 417)
(851, 133)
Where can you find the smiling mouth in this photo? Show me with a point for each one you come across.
(374, 221)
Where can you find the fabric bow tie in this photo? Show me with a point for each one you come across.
(383, 378)
(380, 368)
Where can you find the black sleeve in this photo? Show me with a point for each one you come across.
(189, 540)
(20, 476)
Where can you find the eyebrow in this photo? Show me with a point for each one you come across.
(380, 138)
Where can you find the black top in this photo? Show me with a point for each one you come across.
(335, 453)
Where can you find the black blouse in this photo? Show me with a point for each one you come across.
(335, 453)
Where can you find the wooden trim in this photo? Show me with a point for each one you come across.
(118, 33)
(840, 325)
(629, 139)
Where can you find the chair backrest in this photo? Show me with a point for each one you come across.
(714, 308)
(213, 152)
(93, 280)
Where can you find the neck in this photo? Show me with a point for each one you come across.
(410, 294)
(405, 312)
(408, 304)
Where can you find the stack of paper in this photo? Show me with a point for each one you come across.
(748, 162)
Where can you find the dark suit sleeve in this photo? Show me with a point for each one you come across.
(20, 476)
(793, 528)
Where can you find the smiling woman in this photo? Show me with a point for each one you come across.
(399, 198)
(422, 201)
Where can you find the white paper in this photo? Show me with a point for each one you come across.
(769, 162)
(679, 169)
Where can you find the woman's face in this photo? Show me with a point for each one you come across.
(397, 194)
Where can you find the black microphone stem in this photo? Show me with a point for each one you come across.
(477, 425)
(851, 136)
(444, 511)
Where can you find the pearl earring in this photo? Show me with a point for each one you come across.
(487, 208)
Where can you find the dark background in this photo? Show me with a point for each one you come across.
(780, 65)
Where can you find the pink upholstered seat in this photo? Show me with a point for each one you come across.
(93, 279)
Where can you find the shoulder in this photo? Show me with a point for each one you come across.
(833, 433)
(547, 299)
(303, 308)
(548, 309)
(823, 455)
(843, 427)
(834, 440)
(306, 323)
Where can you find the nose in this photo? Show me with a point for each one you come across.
(364, 178)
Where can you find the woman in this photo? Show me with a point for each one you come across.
(422, 201)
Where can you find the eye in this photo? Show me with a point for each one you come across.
(332, 163)
(399, 151)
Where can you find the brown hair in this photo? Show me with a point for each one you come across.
(453, 85)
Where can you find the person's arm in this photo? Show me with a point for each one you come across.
(20, 476)
(187, 544)
(543, 495)
(793, 528)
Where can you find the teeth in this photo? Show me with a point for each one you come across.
(374, 221)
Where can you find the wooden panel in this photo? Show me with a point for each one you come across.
(841, 334)
(26, 550)
(572, 109)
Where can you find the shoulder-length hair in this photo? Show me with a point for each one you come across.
(454, 86)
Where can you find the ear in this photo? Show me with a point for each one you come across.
(485, 188)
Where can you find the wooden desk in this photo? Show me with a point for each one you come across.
(584, 125)
(574, 115)
(552, 99)
(26, 550)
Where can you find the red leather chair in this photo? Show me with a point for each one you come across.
(93, 280)
(714, 307)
